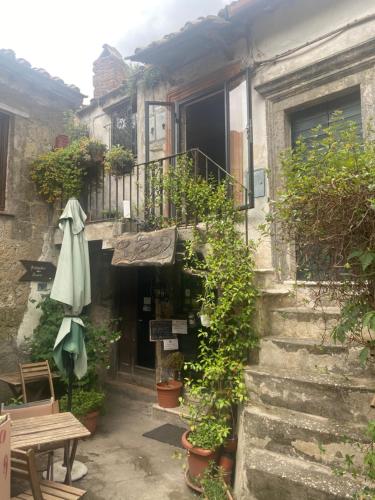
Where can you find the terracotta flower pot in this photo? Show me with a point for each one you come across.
(168, 393)
(230, 445)
(226, 462)
(198, 458)
(90, 421)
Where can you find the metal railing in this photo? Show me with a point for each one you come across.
(135, 197)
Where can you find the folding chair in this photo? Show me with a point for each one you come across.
(23, 466)
(32, 372)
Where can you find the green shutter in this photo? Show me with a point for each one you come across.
(303, 122)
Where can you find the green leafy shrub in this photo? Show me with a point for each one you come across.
(98, 340)
(60, 174)
(212, 482)
(83, 402)
(326, 206)
(208, 434)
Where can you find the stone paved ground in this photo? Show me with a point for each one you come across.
(124, 465)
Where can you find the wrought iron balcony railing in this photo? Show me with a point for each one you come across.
(133, 196)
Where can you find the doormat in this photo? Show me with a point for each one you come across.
(167, 433)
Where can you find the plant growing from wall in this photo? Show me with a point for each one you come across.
(227, 272)
(327, 205)
(63, 173)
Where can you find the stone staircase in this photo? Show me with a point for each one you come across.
(309, 405)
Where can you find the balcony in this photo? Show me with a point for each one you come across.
(136, 198)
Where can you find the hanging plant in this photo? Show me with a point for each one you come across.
(118, 161)
(61, 173)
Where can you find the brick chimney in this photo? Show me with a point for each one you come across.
(110, 71)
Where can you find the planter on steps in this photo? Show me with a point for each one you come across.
(198, 458)
(169, 393)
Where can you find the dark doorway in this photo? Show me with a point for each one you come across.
(146, 312)
(205, 126)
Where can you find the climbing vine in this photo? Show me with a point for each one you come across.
(219, 256)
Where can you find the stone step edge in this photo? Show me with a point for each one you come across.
(300, 471)
(327, 380)
(309, 422)
(295, 344)
(303, 310)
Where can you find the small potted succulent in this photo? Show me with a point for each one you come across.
(169, 388)
(86, 406)
(118, 161)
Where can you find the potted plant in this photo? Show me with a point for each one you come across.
(202, 443)
(86, 406)
(169, 388)
(118, 161)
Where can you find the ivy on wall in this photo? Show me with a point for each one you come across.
(218, 254)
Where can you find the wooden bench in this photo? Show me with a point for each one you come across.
(23, 466)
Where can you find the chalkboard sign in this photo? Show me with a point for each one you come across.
(161, 329)
(37, 270)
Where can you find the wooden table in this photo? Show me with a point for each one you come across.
(13, 380)
(56, 429)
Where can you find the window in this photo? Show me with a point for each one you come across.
(4, 132)
(303, 122)
(124, 126)
(315, 263)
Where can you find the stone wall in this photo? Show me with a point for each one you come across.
(26, 225)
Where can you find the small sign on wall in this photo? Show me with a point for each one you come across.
(179, 326)
(170, 344)
(259, 183)
(37, 270)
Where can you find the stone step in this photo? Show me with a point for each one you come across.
(303, 322)
(308, 355)
(271, 476)
(172, 416)
(327, 395)
(131, 391)
(141, 377)
(292, 433)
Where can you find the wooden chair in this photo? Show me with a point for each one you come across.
(32, 372)
(23, 466)
(36, 409)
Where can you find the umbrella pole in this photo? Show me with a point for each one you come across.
(69, 405)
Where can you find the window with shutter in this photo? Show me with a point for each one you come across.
(316, 265)
(4, 132)
(303, 122)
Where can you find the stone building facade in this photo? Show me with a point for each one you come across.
(241, 86)
(32, 104)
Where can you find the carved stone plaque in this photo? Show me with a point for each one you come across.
(156, 248)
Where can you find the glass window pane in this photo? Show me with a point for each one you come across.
(238, 130)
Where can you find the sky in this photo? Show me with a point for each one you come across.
(65, 37)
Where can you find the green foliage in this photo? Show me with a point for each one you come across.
(60, 174)
(83, 402)
(212, 482)
(98, 341)
(209, 433)
(229, 294)
(326, 207)
(118, 161)
(173, 361)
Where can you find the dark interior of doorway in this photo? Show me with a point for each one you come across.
(205, 126)
(146, 312)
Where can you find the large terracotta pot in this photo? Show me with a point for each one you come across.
(198, 458)
(168, 393)
(90, 421)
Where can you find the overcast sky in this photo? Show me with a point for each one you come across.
(65, 37)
